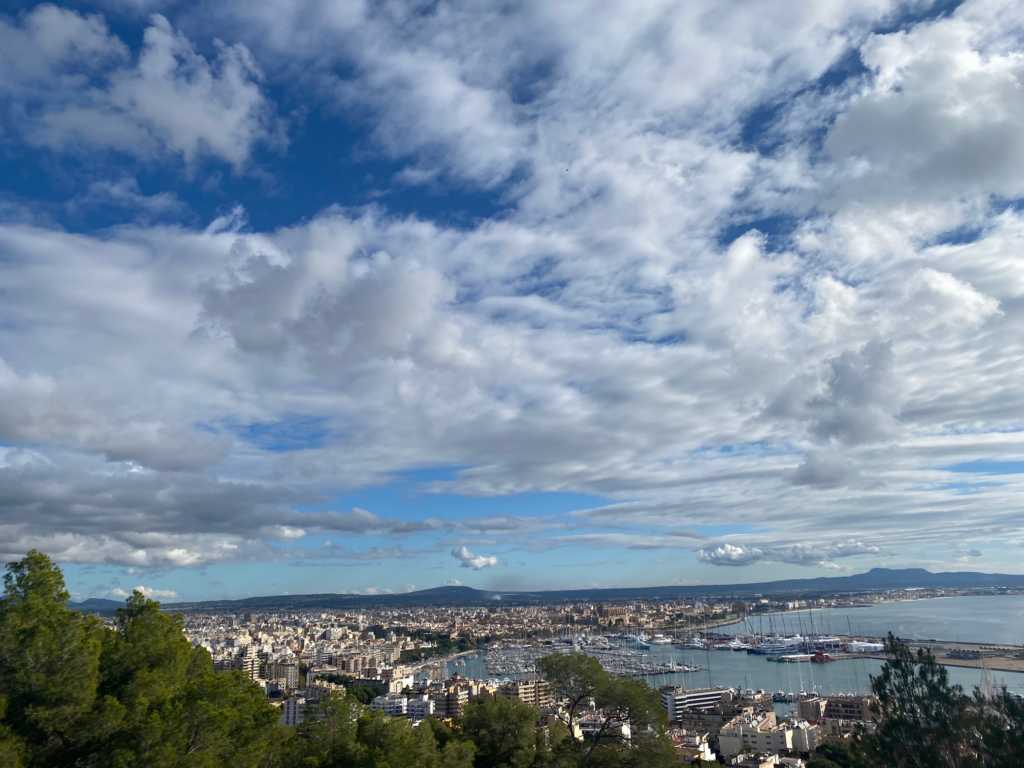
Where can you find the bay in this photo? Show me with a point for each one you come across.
(737, 669)
(996, 619)
(975, 619)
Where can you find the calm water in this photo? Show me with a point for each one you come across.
(737, 669)
(978, 619)
(995, 619)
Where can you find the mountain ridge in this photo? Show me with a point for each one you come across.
(457, 595)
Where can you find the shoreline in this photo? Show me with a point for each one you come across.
(992, 664)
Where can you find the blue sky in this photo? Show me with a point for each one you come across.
(344, 296)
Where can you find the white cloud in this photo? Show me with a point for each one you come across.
(477, 562)
(730, 554)
(124, 193)
(819, 555)
(938, 120)
(151, 592)
(285, 532)
(638, 324)
(70, 85)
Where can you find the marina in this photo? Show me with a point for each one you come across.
(718, 663)
(625, 656)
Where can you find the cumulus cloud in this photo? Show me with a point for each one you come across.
(857, 401)
(693, 318)
(35, 408)
(469, 560)
(956, 78)
(820, 555)
(151, 592)
(730, 554)
(70, 83)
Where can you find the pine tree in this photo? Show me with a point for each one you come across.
(49, 662)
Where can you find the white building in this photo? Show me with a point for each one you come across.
(399, 683)
(754, 733)
(392, 704)
(692, 746)
(807, 737)
(677, 700)
(419, 707)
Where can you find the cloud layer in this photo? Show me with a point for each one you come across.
(748, 279)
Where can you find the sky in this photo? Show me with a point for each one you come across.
(375, 296)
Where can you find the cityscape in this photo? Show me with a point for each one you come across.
(430, 662)
(461, 384)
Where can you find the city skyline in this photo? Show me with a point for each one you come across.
(346, 297)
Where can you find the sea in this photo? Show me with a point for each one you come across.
(973, 619)
(998, 619)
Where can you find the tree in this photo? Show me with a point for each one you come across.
(836, 755)
(503, 730)
(49, 662)
(580, 681)
(574, 678)
(626, 701)
(12, 751)
(328, 740)
(77, 694)
(922, 716)
(223, 719)
(164, 705)
(1000, 729)
(390, 742)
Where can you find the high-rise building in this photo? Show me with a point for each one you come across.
(536, 693)
(679, 700)
(250, 662)
(287, 672)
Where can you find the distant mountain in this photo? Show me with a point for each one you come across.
(874, 580)
(97, 605)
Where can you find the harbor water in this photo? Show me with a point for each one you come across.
(996, 619)
(987, 619)
(742, 670)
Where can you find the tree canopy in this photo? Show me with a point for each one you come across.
(924, 721)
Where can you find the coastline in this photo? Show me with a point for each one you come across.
(992, 663)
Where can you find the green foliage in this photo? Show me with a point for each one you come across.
(49, 662)
(77, 694)
(350, 736)
(581, 681)
(926, 722)
(504, 731)
(922, 715)
(836, 755)
(574, 678)
(1000, 729)
(12, 751)
(363, 691)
